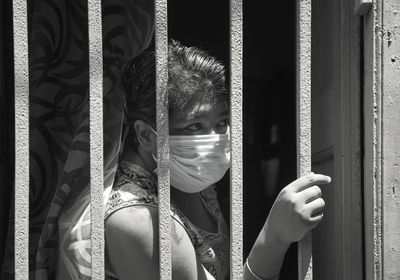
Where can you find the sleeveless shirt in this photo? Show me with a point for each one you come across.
(134, 186)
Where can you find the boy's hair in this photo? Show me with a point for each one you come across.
(193, 76)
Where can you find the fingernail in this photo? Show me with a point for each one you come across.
(329, 179)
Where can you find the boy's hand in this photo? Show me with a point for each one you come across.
(297, 209)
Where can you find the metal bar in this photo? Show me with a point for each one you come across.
(164, 218)
(236, 72)
(21, 72)
(303, 101)
(96, 137)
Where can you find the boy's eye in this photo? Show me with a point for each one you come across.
(222, 126)
(194, 127)
(223, 123)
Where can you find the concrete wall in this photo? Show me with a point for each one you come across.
(391, 138)
(382, 142)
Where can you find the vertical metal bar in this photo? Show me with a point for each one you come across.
(21, 72)
(96, 137)
(164, 222)
(236, 55)
(303, 113)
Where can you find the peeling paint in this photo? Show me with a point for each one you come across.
(387, 35)
(395, 60)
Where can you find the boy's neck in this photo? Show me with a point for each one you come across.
(138, 157)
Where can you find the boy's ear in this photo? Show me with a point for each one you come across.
(145, 136)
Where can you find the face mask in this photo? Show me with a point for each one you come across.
(198, 161)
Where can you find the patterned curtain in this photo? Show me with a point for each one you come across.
(59, 152)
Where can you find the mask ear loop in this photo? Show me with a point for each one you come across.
(155, 132)
(228, 131)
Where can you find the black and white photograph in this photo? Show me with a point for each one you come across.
(199, 140)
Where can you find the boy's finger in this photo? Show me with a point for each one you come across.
(316, 219)
(310, 193)
(308, 181)
(316, 206)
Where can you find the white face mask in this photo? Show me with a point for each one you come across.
(198, 161)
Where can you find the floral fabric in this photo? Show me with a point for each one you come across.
(135, 186)
(59, 126)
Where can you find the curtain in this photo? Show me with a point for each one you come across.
(59, 125)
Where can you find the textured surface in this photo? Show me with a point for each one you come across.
(21, 139)
(373, 156)
(236, 42)
(161, 40)
(304, 118)
(382, 147)
(390, 138)
(96, 137)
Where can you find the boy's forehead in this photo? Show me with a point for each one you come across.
(201, 109)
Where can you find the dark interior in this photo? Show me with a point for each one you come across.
(269, 112)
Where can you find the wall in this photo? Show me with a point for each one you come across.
(382, 143)
(391, 140)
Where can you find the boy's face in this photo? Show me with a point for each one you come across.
(200, 118)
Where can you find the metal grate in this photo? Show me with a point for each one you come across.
(161, 40)
(236, 49)
(21, 73)
(96, 137)
(96, 134)
(303, 115)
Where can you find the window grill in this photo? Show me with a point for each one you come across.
(303, 115)
(20, 23)
(161, 41)
(96, 137)
(96, 134)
